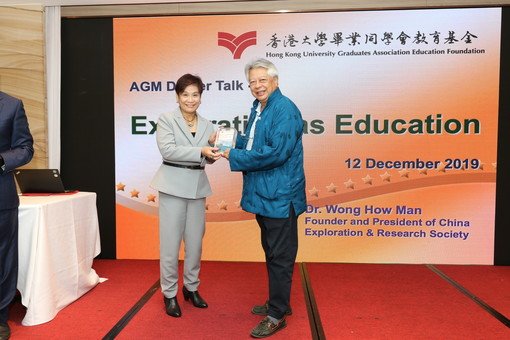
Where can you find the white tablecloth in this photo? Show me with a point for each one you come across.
(58, 240)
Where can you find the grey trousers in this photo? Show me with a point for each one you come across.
(180, 219)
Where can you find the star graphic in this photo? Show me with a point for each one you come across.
(404, 173)
(495, 165)
(385, 177)
(349, 184)
(367, 180)
(237, 204)
(151, 198)
(120, 186)
(480, 166)
(423, 171)
(314, 192)
(134, 193)
(222, 205)
(331, 188)
(441, 167)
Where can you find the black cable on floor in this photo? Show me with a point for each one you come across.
(311, 305)
(119, 326)
(472, 296)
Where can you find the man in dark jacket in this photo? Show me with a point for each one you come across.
(16, 149)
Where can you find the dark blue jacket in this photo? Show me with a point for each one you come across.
(273, 173)
(16, 147)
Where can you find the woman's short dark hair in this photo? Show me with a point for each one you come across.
(187, 80)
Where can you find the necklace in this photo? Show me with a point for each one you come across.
(190, 122)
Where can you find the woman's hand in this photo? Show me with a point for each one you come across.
(212, 138)
(211, 153)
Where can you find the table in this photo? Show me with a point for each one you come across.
(58, 240)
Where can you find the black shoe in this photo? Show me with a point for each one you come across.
(172, 307)
(5, 331)
(196, 299)
(266, 328)
(263, 309)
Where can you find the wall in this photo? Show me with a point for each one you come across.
(159, 7)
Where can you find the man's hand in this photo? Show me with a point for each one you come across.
(226, 153)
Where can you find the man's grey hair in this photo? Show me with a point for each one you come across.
(261, 63)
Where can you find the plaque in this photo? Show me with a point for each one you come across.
(225, 138)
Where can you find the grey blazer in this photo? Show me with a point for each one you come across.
(177, 145)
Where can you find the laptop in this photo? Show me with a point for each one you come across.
(39, 181)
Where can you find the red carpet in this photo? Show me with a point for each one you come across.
(354, 301)
(231, 289)
(363, 301)
(489, 283)
(95, 313)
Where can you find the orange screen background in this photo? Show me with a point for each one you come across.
(325, 81)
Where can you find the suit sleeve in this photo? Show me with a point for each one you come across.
(22, 150)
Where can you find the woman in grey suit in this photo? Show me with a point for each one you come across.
(185, 141)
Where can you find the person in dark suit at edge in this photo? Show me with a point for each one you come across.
(270, 156)
(16, 149)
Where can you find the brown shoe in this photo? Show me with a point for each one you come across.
(266, 328)
(263, 309)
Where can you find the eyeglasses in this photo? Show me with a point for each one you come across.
(261, 81)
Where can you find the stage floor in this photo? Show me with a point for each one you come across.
(329, 301)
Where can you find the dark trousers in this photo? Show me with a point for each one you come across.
(280, 243)
(8, 260)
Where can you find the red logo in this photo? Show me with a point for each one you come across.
(237, 45)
